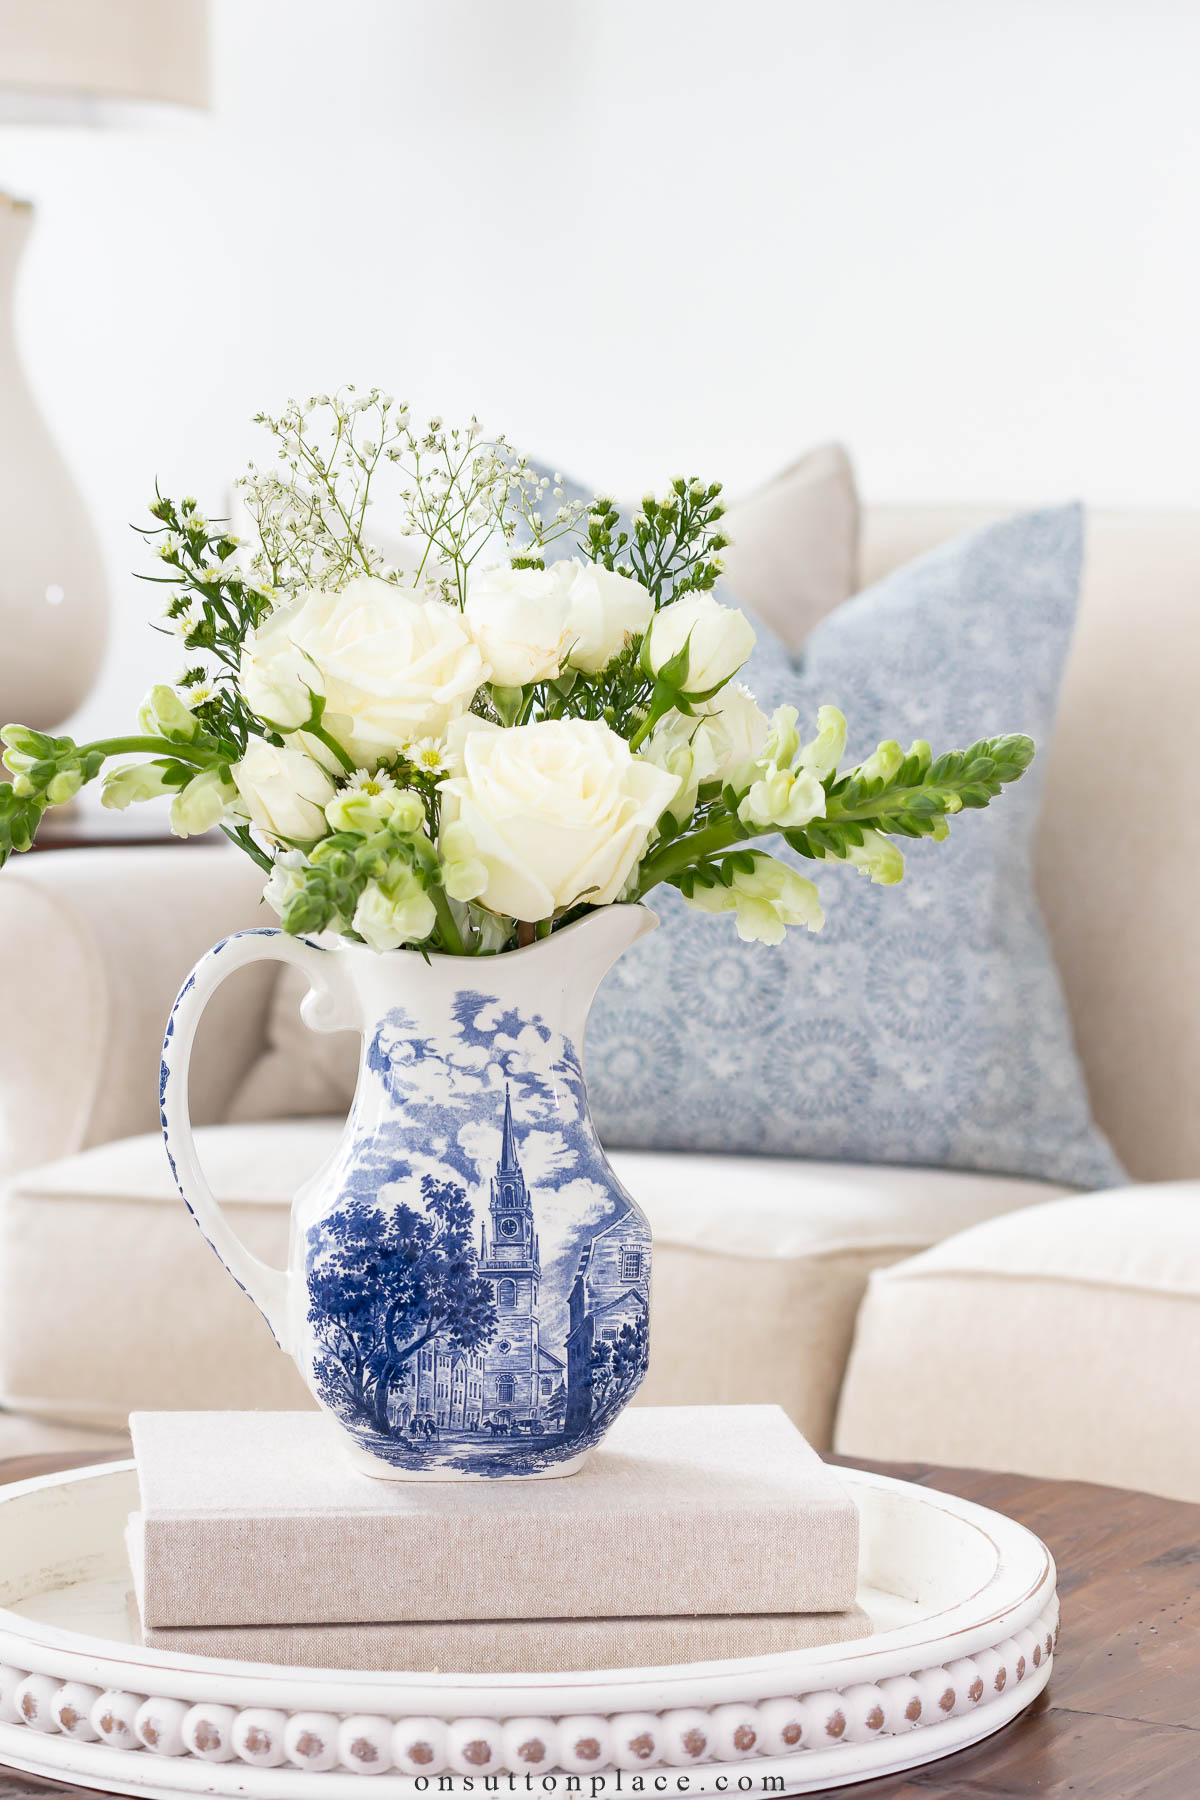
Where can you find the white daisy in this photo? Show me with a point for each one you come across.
(364, 782)
(430, 757)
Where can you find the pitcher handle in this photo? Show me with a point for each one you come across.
(267, 1287)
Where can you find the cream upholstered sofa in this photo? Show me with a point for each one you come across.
(894, 1312)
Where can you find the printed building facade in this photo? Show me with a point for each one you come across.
(611, 1290)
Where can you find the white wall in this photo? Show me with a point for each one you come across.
(962, 236)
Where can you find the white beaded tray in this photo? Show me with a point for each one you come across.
(963, 1603)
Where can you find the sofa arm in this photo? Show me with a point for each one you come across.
(93, 946)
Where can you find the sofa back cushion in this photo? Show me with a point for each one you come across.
(1118, 848)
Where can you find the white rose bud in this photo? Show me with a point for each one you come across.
(518, 619)
(718, 641)
(558, 811)
(284, 792)
(606, 610)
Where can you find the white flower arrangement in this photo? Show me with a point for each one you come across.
(467, 747)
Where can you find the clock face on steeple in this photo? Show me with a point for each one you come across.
(509, 1228)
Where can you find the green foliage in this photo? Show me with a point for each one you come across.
(337, 870)
(675, 545)
(215, 607)
(917, 800)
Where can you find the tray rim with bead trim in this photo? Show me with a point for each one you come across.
(963, 1600)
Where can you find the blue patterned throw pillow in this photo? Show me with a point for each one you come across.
(925, 1024)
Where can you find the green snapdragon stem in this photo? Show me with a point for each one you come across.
(182, 751)
(451, 936)
(723, 834)
(681, 853)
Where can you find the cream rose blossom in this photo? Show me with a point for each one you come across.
(606, 609)
(284, 792)
(518, 618)
(391, 666)
(556, 812)
(718, 639)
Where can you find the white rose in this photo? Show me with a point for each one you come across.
(606, 609)
(718, 638)
(391, 666)
(284, 791)
(276, 679)
(556, 812)
(518, 618)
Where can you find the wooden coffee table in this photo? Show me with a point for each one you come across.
(1121, 1717)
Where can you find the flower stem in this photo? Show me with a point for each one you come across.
(682, 852)
(151, 746)
(330, 743)
(450, 934)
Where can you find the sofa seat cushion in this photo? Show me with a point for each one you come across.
(760, 1266)
(1061, 1341)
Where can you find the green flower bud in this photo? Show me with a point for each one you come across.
(65, 785)
(884, 765)
(307, 910)
(24, 747)
(400, 913)
(164, 714)
(202, 803)
(464, 874)
(404, 811)
(878, 857)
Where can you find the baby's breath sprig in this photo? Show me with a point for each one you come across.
(312, 519)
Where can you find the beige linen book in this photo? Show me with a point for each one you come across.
(257, 1519)
(502, 1646)
(515, 1646)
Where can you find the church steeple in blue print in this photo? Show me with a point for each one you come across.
(508, 1164)
(510, 1238)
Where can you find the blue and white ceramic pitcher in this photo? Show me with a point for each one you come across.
(467, 1291)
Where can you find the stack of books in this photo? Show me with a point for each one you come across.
(692, 1534)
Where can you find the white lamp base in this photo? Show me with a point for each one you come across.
(53, 599)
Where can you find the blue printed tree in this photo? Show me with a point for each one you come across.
(616, 1369)
(382, 1285)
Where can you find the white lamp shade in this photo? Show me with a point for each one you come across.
(74, 61)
